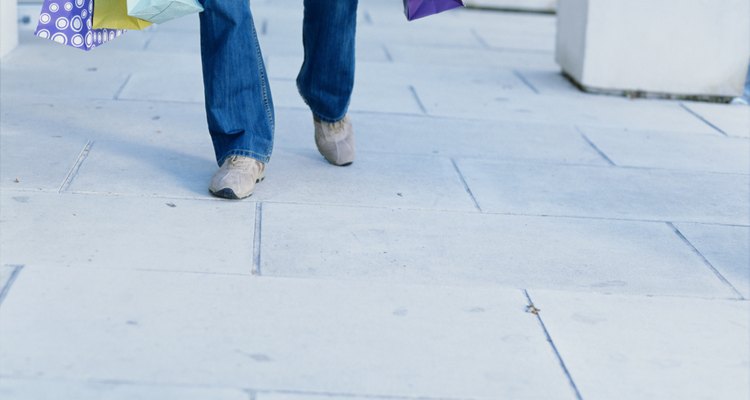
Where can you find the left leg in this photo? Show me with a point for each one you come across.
(326, 79)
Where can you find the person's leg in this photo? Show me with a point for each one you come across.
(326, 79)
(238, 98)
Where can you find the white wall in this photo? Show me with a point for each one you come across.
(8, 26)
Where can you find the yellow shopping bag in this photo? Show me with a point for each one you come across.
(113, 14)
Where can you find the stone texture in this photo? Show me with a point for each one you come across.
(673, 150)
(732, 120)
(620, 347)
(236, 331)
(727, 248)
(607, 192)
(103, 233)
(474, 249)
(24, 389)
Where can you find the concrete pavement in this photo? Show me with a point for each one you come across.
(500, 236)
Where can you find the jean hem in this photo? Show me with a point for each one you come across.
(245, 153)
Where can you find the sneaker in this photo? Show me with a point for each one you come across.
(237, 177)
(335, 141)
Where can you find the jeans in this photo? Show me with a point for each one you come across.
(239, 106)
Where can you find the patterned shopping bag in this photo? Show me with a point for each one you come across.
(160, 11)
(423, 8)
(69, 22)
(113, 14)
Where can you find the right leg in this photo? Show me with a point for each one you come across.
(238, 98)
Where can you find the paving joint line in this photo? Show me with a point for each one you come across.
(480, 39)
(595, 147)
(388, 55)
(526, 82)
(466, 185)
(708, 263)
(122, 87)
(257, 238)
(13, 275)
(73, 172)
(564, 367)
(421, 209)
(704, 120)
(417, 99)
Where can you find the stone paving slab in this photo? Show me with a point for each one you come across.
(38, 161)
(474, 249)
(727, 248)
(620, 347)
(102, 233)
(71, 84)
(386, 73)
(476, 101)
(608, 192)
(420, 135)
(272, 334)
(505, 39)
(550, 81)
(375, 180)
(80, 120)
(156, 167)
(732, 120)
(468, 57)
(24, 389)
(103, 60)
(675, 150)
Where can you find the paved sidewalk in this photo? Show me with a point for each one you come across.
(500, 236)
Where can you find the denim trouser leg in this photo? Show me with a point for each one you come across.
(326, 79)
(238, 99)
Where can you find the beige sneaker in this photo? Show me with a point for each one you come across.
(335, 141)
(237, 177)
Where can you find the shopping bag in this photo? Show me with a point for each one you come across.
(160, 11)
(69, 22)
(423, 8)
(113, 14)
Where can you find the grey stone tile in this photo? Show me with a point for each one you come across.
(406, 134)
(619, 347)
(550, 81)
(71, 84)
(37, 161)
(157, 166)
(305, 396)
(608, 192)
(462, 56)
(732, 120)
(100, 63)
(677, 150)
(375, 180)
(726, 247)
(477, 101)
(40, 389)
(391, 340)
(102, 232)
(367, 96)
(504, 38)
(184, 83)
(481, 249)
(174, 41)
(99, 119)
(386, 73)
(7, 274)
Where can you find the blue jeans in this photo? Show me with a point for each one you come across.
(239, 106)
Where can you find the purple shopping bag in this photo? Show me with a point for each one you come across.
(68, 22)
(422, 8)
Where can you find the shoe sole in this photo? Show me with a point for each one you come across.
(228, 193)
